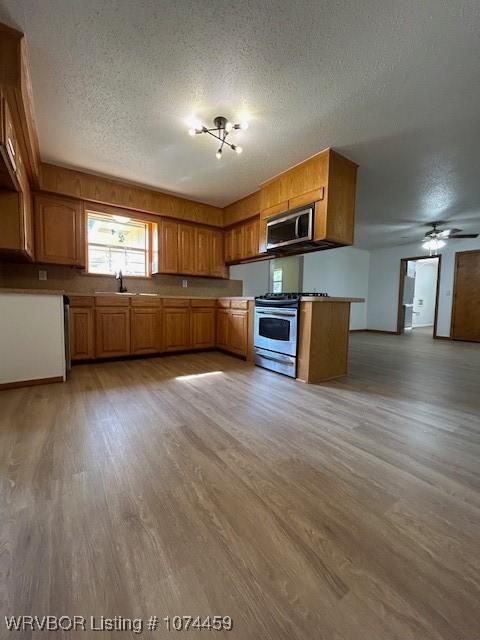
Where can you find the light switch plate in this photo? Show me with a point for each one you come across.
(42, 274)
(184, 283)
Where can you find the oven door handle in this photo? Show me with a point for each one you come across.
(276, 314)
(287, 362)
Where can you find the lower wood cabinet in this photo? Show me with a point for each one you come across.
(82, 333)
(232, 330)
(176, 324)
(145, 330)
(112, 327)
(203, 328)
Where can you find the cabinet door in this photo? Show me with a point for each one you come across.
(238, 332)
(203, 251)
(217, 266)
(229, 245)
(251, 239)
(145, 330)
(203, 328)
(168, 261)
(176, 324)
(223, 318)
(238, 242)
(82, 333)
(59, 231)
(112, 332)
(186, 249)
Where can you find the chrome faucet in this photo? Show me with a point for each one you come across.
(119, 276)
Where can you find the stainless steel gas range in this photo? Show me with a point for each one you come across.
(276, 331)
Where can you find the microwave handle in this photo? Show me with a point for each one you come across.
(297, 222)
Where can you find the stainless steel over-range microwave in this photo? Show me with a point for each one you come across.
(290, 228)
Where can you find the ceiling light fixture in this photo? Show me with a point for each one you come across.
(433, 245)
(220, 131)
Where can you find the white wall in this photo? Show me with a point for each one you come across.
(255, 276)
(425, 292)
(384, 279)
(339, 272)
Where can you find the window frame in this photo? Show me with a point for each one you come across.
(152, 241)
(276, 281)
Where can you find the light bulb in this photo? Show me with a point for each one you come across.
(228, 127)
(192, 132)
(219, 154)
(244, 126)
(238, 149)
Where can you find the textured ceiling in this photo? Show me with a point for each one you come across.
(393, 85)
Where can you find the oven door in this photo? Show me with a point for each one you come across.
(276, 329)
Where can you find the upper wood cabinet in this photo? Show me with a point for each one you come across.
(112, 328)
(329, 181)
(9, 149)
(168, 244)
(59, 231)
(241, 241)
(217, 267)
(189, 249)
(186, 249)
(202, 251)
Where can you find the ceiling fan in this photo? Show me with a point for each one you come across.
(436, 238)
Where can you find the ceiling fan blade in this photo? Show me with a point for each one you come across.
(446, 233)
(463, 235)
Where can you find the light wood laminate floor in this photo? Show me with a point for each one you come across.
(343, 511)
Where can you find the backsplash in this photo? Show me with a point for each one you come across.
(25, 276)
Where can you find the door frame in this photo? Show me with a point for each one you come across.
(454, 292)
(403, 273)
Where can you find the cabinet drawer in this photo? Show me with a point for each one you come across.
(81, 301)
(239, 304)
(112, 301)
(175, 302)
(145, 301)
(207, 302)
(223, 303)
(306, 198)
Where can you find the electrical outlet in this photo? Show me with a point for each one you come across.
(42, 274)
(184, 283)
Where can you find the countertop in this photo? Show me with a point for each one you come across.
(59, 292)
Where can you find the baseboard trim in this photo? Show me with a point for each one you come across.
(391, 333)
(29, 383)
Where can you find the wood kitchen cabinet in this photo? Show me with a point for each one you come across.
(168, 244)
(327, 180)
(112, 328)
(217, 267)
(202, 251)
(241, 241)
(59, 231)
(233, 327)
(186, 249)
(145, 330)
(176, 323)
(238, 331)
(203, 328)
(250, 238)
(223, 320)
(82, 333)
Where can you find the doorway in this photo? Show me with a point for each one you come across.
(418, 295)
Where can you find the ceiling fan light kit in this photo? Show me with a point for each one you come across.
(436, 238)
(220, 131)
